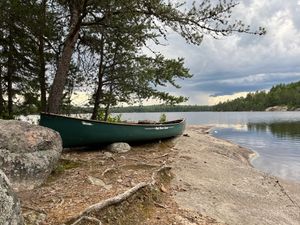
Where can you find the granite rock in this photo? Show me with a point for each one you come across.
(10, 209)
(28, 153)
(119, 147)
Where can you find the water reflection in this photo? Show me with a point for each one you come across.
(286, 130)
(275, 136)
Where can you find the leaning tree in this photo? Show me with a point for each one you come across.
(192, 23)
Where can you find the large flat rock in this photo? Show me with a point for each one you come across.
(214, 177)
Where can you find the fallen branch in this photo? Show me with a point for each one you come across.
(161, 156)
(88, 218)
(160, 205)
(34, 209)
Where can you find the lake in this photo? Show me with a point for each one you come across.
(274, 136)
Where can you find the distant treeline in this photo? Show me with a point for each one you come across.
(162, 108)
(150, 108)
(279, 95)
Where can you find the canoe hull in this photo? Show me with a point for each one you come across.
(79, 132)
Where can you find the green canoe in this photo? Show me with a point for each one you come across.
(82, 132)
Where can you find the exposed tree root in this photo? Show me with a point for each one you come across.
(88, 219)
(114, 200)
(90, 214)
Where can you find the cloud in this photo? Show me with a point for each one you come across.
(216, 99)
(80, 98)
(245, 84)
(241, 62)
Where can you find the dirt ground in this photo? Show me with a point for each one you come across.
(86, 177)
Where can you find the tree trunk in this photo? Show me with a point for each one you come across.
(106, 113)
(9, 86)
(97, 100)
(100, 83)
(42, 75)
(9, 77)
(1, 94)
(42, 63)
(56, 92)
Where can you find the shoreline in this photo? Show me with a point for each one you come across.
(252, 155)
(213, 184)
(214, 177)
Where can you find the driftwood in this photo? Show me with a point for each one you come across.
(85, 215)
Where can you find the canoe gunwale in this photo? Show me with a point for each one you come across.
(172, 122)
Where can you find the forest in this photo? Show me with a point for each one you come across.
(51, 49)
(279, 95)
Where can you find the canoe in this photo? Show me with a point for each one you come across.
(83, 132)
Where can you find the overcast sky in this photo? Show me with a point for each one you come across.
(243, 63)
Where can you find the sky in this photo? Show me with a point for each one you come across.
(235, 65)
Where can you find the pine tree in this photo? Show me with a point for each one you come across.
(203, 19)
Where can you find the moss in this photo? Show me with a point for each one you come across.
(61, 167)
(134, 210)
(64, 164)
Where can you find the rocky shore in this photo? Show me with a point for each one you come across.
(213, 177)
(190, 180)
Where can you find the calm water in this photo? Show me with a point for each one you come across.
(274, 136)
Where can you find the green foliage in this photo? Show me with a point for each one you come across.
(58, 40)
(110, 118)
(28, 36)
(279, 95)
(163, 118)
(62, 166)
(5, 116)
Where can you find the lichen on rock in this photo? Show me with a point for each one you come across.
(10, 210)
(28, 153)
